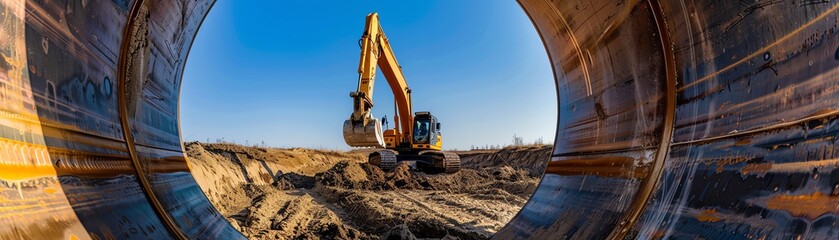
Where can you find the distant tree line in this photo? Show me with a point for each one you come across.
(247, 143)
(517, 141)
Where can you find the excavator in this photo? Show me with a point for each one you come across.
(415, 136)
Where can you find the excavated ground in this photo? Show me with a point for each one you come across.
(269, 193)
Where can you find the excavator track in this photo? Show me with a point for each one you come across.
(447, 162)
(451, 162)
(384, 159)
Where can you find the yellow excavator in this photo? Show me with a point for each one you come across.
(415, 136)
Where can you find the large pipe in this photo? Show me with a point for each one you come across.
(91, 147)
(676, 119)
(689, 119)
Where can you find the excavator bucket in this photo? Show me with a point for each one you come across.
(358, 135)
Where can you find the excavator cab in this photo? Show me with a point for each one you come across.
(426, 132)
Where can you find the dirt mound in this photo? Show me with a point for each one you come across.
(480, 181)
(403, 232)
(352, 176)
(400, 232)
(364, 176)
(219, 177)
(425, 205)
(270, 193)
(314, 222)
(533, 158)
(292, 181)
(273, 214)
(381, 211)
(264, 165)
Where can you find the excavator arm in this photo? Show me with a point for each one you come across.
(362, 129)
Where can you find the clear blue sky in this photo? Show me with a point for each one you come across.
(281, 71)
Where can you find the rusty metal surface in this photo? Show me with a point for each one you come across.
(753, 144)
(677, 119)
(68, 167)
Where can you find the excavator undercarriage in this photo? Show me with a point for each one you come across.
(425, 161)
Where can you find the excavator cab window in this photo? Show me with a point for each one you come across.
(422, 130)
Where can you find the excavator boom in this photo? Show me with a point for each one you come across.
(362, 129)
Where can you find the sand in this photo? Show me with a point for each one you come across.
(270, 193)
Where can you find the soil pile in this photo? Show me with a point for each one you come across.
(308, 194)
(532, 158)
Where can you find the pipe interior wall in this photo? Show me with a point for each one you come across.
(90, 137)
(676, 119)
(751, 152)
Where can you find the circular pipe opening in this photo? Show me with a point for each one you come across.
(433, 73)
(672, 121)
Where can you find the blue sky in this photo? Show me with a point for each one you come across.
(281, 71)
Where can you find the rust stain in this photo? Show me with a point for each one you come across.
(811, 206)
(743, 142)
(604, 166)
(757, 168)
(721, 163)
(659, 234)
(792, 167)
(708, 215)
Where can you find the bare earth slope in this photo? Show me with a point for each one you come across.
(270, 193)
